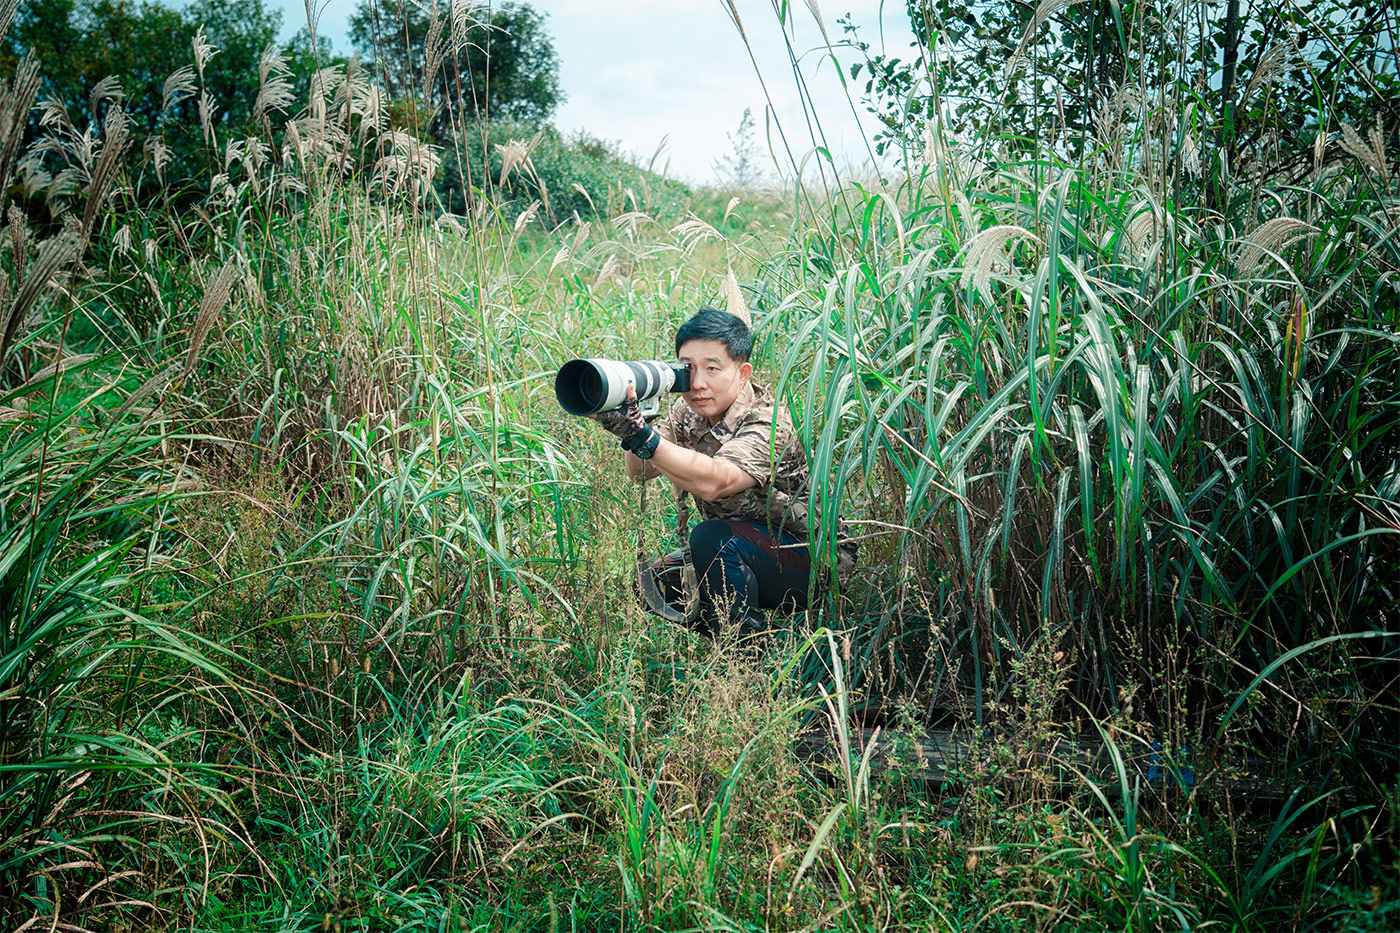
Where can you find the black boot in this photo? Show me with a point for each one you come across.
(752, 633)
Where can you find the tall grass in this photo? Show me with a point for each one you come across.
(1089, 414)
(317, 607)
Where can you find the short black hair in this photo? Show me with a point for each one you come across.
(714, 324)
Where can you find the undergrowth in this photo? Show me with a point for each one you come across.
(317, 609)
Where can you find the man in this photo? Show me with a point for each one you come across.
(733, 447)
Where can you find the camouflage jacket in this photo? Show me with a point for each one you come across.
(757, 436)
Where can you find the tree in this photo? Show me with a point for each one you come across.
(240, 30)
(81, 42)
(740, 167)
(444, 75)
(139, 45)
(1260, 78)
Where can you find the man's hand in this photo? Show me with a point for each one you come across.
(624, 421)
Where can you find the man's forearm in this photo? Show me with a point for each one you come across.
(701, 476)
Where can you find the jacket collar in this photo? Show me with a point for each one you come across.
(744, 403)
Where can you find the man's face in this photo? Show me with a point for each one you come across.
(715, 379)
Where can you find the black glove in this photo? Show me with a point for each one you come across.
(625, 421)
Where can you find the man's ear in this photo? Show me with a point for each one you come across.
(745, 370)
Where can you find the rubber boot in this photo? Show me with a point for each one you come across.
(751, 622)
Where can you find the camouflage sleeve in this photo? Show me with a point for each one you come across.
(758, 447)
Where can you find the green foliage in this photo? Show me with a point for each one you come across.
(81, 42)
(460, 69)
(585, 177)
(1083, 445)
(315, 609)
(1245, 76)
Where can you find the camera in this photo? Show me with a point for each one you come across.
(586, 387)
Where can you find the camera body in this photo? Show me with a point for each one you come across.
(586, 387)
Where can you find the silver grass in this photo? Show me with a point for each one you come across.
(985, 249)
(734, 16)
(324, 84)
(1147, 227)
(1268, 239)
(206, 117)
(1320, 148)
(560, 257)
(586, 196)
(33, 177)
(216, 295)
(1378, 147)
(526, 216)
(1269, 67)
(464, 20)
(580, 234)
(347, 93)
(203, 51)
(274, 83)
(107, 89)
(158, 153)
(1190, 154)
(116, 132)
(691, 233)
(157, 293)
(817, 15)
(255, 153)
(1352, 142)
(63, 184)
(19, 244)
(16, 102)
(371, 106)
(53, 115)
(7, 13)
(63, 364)
(285, 185)
(629, 222)
(178, 87)
(453, 223)
(515, 153)
(157, 382)
(360, 97)
(434, 47)
(407, 166)
(611, 273)
(293, 148)
(734, 299)
(1045, 10)
(53, 255)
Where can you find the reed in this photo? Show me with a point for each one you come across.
(316, 607)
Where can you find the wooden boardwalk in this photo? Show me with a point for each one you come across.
(951, 758)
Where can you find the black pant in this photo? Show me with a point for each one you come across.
(743, 568)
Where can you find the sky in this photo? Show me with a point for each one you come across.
(676, 74)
